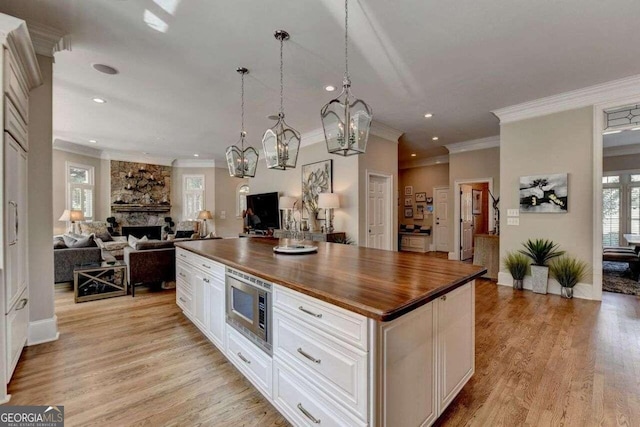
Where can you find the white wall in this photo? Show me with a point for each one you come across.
(226, 187)
(621, 163)
(40, 201)
(555, 143)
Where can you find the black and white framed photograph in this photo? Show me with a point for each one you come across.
(429, 200)
(316, 178)
(544, 193)
(476, 202)
(408, 212)
(408, 201)
(408, 190)
(420, 208)
(421, 197)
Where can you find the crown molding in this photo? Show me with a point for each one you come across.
(312, 137)
(48, 40)
(591, 95)
(15, 34)
(194, 163)
(474, 144)
(70, 147)
(622, 150)
(123, 156)
(430, 161)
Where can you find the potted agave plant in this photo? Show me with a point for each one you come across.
(541, 251)
(568, 271)
(517, 264)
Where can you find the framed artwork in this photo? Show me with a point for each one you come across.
(408, 190)
(429, 200)
(316, 178)
(544, 193)
(421, 197)
(476, 202)
(429, 208)
(408, 201)
(420, 207)
(408, 212)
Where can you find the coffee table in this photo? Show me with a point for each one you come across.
(99, 280)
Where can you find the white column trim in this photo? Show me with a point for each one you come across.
(42, 331)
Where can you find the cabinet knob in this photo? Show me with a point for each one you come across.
(444, 297)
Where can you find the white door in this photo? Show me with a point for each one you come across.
(466, 222)
(377, 212)
(441, 225)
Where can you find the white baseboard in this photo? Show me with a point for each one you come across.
(453, 256)
(42, 331)
(581, 290)
(6, 399)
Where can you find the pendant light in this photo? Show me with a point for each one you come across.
(281, 143)
(346, 120)
(242, 162)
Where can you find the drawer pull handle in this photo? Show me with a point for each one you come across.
(206, 266)
(308, 356)
(307, 414)
(204, 279)
(183, 300)
(182, 275)
(244, 359)
(444, 297)
(183, 255)
(301, 308)
(23, 304)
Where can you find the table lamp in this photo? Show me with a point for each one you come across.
(204, 216)
(328, 202)
(70, 216)
(286, 204)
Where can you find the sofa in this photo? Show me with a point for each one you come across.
(65, 259)
(150, 262)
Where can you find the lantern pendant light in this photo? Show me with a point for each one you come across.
(346, 120)
(242, 162)
(281, 142)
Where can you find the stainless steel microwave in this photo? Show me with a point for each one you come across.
(249, 307)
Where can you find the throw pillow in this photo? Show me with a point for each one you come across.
(99, 228)
(74, 241)
(58, 242)
(133, 240)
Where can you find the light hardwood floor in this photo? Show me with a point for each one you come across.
(540, 360)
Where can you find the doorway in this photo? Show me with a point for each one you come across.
(473, 213)
(379, 211)
(441, 237)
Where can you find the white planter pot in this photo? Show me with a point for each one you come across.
(539, 278)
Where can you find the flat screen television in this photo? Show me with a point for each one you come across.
(265, 207)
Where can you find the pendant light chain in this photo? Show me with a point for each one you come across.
(242, 133)
(281, 79)
(346, 40)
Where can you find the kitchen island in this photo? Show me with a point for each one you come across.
(357, 336)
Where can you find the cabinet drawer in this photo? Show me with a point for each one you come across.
(17, 324)
(183, 272)
(184, 300)
(15, 125)
(255, 364)
(302, 405)
(337, 369)
(14, 86)
(211, 267)
(347, 326)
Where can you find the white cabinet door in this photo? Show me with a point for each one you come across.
(199, 282)
(456, 342)
(216, 312)
(17, 325)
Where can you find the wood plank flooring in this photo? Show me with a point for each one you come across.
(540, 360)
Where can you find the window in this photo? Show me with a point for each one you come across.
(241, 199)
(611, 216)
(80, 185)
(620, 207)
(611, 179)
(192, 196)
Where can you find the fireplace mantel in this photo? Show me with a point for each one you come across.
(139, 208)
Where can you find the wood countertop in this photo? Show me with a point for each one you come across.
(378, 284)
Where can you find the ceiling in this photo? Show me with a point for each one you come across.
(177, 92)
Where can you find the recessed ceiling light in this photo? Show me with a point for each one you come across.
(329, 88)
(104, 68)
(413, 154)
(196, 155)
(435, 138)
(93, 141)
(611, 132)
(99, 100)
(428, 115)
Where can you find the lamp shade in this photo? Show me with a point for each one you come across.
(71, 215)
(328, 201)
(205, 215)
(286, 202)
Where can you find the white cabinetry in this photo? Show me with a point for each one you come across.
(214, 294)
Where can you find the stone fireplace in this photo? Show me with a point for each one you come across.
(140, 194)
